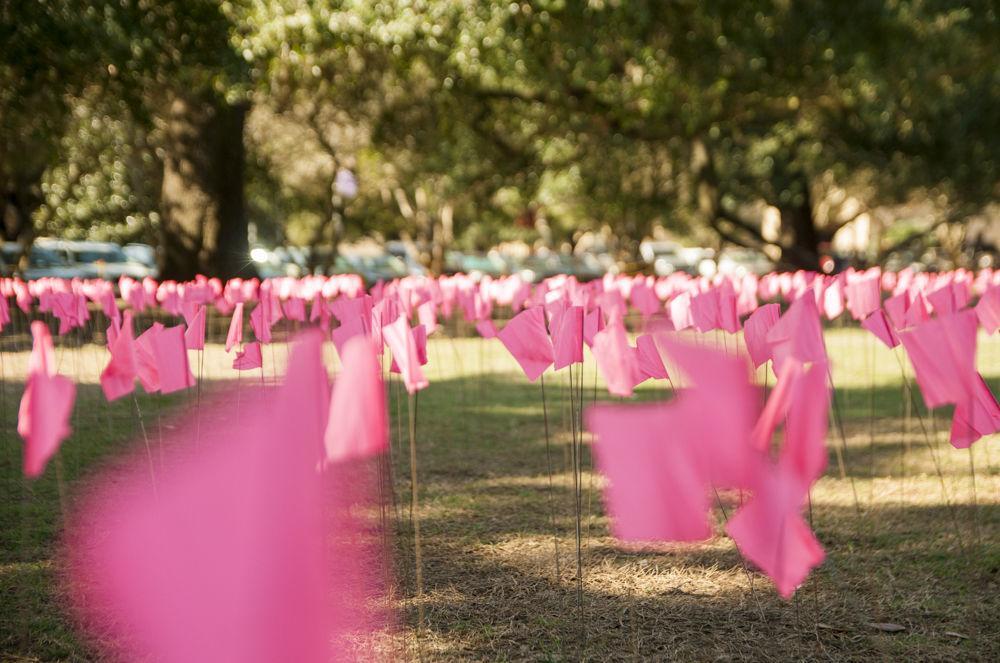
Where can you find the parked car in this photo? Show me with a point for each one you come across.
(95, 260)
(739, 262)
(669, 257)
(43, 262)
(143, 254)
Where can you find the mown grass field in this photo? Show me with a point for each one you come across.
(911, 529)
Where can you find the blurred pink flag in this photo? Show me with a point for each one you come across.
(249, 357)
(617, 361)
(864, 295)
(147, 367)
(241, 550)
(357, 425)
(528, 342)
(235, 335)
(878, 324)
(347, 330)
(46, 405)
(427, 315)
(593, 322)
(405, 353)
(988, 310)
(770, 532)
(650, 361)
(976, 417)
(755, 331)
(172, 360)
(194, 336)
(797, 334)
(486, 328)
(568, 337)
(118, 377)
(656, 490)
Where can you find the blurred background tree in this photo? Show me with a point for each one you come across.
(767, 124)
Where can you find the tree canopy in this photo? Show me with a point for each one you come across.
(767, 124)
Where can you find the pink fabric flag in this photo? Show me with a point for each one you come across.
(778, 402)
(118, 377)
(617, 361)
(593, 322)
(347, 330)
(797, 334)
(878, 323)
(976, 417)
(260, 321)
(43, 415)
(194, 335)
(705, 310)
(427, 315)
(241, 550)
(650, 361)
(804, 452)
(680, 311)
(656, 490)
(147, 368)
(943, 354)
(486, 328)
(568, 337)
(988, 310)
(249, 357)
(526, 339)
(172, 360)
(770, 532)
(399, 337)
(235, 335)
(864, 295)
(357, 426)
(755, 331)
(895, 308)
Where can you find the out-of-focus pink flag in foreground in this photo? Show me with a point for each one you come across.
(43, 417)
(239, 549)
(526, 339)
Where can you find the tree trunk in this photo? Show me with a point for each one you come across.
(801, 238)
(204, 228)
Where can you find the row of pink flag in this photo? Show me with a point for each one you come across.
(665, 463)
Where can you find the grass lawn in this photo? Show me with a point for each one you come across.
(911, 540)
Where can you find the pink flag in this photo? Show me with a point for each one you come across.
(755, 331)
(118, 377)
(593, 322)
(568, 337)
(357, 425)
(988, 310)
(864, 295)
(486, 328)
(241, 550)
(526, 339)
(194, 336)
(650, 361)
(260, 321)
(249, 357)
(770, 532)
(43, 416)
(399, 337)
(172, 360)
(347, 330)
(235, 335)
(878, 324)
(797, 334)
(976, 417)
(427, 315)
(680, 311)
(656, 490)
(617, 361)
(147, 367)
